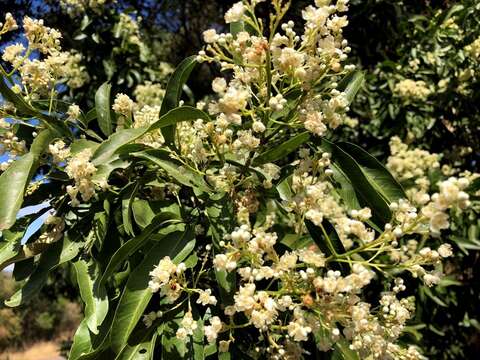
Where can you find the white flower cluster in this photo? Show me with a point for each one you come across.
(9, 24)
(287, 60)
(144, 117)
(123, 105)
(473, 49)
(41, 75)
(412, 90)
(450, 195)
(406, 164)
(10, 144)
(78, 7)
(315, 199)
(168, 278)
(149, 94)
(375, 335)
(80, 169)
(59, 150)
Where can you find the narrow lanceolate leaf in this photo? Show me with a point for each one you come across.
(376, 173)
(13, 183)
(58, 253)
(105, 152)
(9, 248)
(361, 182)
(327, 240)
(102, 108)
(82, 342)
(23, 108)
(355, 82)
(20, 104)
(136, 294)
(282, 150)
(128, 195)
(174, 92)
(134, 244)
(343, 352)
(41, 142)
(88, 346)
(183, 176)
(142, 351)
(93, 294)
(325, 237)
(183, 113)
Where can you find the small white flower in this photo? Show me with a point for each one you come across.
(235, 13)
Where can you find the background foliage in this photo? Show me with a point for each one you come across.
(387, 37)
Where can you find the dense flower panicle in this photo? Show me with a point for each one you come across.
(80, 169)
(412, 90)
(123, 105)
(41, 75)
(59, 151)
(149, 94)
(408, 164)
(41, 37)
(286, 59)
(473, 49)
(145, 117)
(77, 7)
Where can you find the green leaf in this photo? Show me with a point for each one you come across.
(181, 175)
(9, 249)
(13, 183)
(24, 108)
(93, 294)
(282, 150)
(82, 144)
(134, 244)
(103, 171)
(325, 237)
(173, 93)
(377, 174)
(296, 241)
(361, 181)
(20, 104)
(102, 108)
(237, 27)
(142, 213)
(58, 253)
(343, 352)
(41, 142)
(136, 294)
(128, 196)
(354, 82)
(105, 152)
(142, 351)
(183, 113)
(82, 342)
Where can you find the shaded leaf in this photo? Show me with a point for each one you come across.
(282, 150)
(13, 183)
(173, 94)
(136, 294)
(105, 152)
(93, 294)
(102, 108)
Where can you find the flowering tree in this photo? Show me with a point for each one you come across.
(232, 225)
